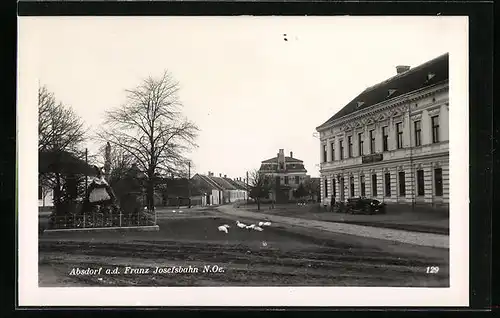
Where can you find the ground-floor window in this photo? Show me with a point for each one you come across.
(374, 185)
(351, 182)
(402, 185)
(334, 191)
(326, 188)
(420, 183)
(362, 184)
(438, 181)
(387, 179)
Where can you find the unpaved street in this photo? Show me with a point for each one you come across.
(278, 256)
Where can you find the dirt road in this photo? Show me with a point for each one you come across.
(277, 256)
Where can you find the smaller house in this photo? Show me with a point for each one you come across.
(221, 189)
(212, 191)
(241, 189)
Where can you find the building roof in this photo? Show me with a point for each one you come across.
(239, 185)
(287, 159)
(208, 182)
(63, 162)
(428, 74)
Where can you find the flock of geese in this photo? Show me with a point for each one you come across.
(259, 227)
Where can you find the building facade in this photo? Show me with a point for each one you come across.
(392, 141)
(287, 172)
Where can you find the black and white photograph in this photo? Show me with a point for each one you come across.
(255, 160)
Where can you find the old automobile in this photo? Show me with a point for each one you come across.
(364, 206)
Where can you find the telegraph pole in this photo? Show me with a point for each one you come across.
(189, 182)
(86, 177)
(248, 194)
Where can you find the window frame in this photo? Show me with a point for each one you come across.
(402, 185)
(420, 183)
(372, 141)
(418, 133)
(374, 185)
(385, 138)
(399, 135)
(360, 144)
(387, 184)
(435, 129)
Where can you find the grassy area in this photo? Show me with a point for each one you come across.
(396, 217)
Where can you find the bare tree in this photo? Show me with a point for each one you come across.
(151, 129)
(260, 186)
(59, 127)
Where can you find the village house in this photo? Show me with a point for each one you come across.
(287, 172)
(219, 190)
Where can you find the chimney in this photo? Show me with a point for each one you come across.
(291, 154)
(220, 175)
(402, 68)
(225, 176)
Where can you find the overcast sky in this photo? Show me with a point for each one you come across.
(250, 91)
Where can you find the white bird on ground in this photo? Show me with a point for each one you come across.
(223, 228)
(264, 223)
(173, 211)
(250, 226)
(258, 228)
(241, 225)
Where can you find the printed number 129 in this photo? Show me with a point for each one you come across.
(432, 269)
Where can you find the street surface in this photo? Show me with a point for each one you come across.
(283, 254)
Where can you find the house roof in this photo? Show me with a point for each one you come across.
(63, 162)
(223, 183)
(206, 182)
(287, 159)
(428, 74)
(239, 185)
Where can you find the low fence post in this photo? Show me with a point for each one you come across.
(120, 220)
(84, 220)
(155, 217)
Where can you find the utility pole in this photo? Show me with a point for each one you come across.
(189, 182)
(248, 196)
(86, 177)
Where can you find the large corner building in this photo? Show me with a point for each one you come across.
(391, 141)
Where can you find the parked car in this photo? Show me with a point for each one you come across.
(364, 206)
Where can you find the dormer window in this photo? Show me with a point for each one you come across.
(390, 92)
(430, 76)
(359, 104)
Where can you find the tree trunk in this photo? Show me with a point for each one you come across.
(258, 204)
(150, 192)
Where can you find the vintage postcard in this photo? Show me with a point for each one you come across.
(243, 161)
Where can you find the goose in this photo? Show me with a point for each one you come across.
(258, 228)
(250, 226)
(266, 223)
(240, 225)
(223, 228)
